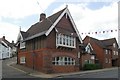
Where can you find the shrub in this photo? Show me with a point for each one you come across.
(91, 66)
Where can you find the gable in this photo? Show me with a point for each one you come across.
(66, 11)
(65, 26)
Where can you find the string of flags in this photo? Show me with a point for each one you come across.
(101, 32)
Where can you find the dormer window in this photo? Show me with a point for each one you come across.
(65, 41)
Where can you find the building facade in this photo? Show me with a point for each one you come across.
(51, 45)
(106, 51)
(5, 48)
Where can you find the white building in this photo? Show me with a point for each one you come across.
(5, 48)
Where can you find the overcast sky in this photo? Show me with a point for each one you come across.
(88, 16)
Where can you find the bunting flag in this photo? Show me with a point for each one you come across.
(101, 32)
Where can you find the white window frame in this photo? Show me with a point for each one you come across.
(106, 51)
(114, 53)
(106, 60)
(61, 61)
(69, 41)
(22, 60)
(114, 45)
(93, 57)
(22, 45)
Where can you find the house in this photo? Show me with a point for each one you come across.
(50, 45)
(103, 52)
(87, 54)
(14, 49)
(113, 45)
(5, 48)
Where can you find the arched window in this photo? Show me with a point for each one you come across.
(63, 61)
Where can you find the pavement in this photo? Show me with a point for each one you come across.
(34, 73)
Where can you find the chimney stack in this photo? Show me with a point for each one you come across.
(42, 16)
(12, 42)
(3, 38)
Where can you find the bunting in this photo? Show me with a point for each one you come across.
(101, 32)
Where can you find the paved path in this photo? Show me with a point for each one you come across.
(10, 72)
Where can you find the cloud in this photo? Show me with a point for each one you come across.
(16, 9)
(8, 30)
(89, 20)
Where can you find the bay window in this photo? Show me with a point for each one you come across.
(65, 40)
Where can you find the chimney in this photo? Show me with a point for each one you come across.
(12, 42)
(3, 38)
(42, 16)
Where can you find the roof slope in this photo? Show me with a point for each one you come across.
(109, 42)
(7, 42)
(98, 42)
(103, 43)
(44, 25)
(47, 25)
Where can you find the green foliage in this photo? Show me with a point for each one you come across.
(91, 66)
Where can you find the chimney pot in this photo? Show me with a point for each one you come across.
(42, 16)
(4, 37)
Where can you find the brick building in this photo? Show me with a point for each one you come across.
(87, 54)
(106, 51)
(50, 45)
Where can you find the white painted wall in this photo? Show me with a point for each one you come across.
(5, 52)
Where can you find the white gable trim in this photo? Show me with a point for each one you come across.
(89, 45)
(19, 35)
(4, 43)
(55, 23)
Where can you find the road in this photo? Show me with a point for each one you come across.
(113, 73)
(9, 72)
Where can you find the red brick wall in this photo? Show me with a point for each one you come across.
(86, 57)
(43, 60)
(100, 53)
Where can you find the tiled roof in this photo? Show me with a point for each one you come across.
(7, 42)
(109, 42)
(103, 43)
(98, 42)
(24, 34)
(43, 26)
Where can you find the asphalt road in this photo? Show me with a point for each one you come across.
(102, 74)
(9, 72)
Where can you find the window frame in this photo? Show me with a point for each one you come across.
(63, 61)
(65, 41)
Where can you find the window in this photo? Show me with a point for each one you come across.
(106, 51)
(106, 60)
(22, 60)
(22, 45)
(88, 49)
(114, 53)
(88, 62)
(109, 61)
(114, 45)
(93, 57)
(65, 40)
(63, 61)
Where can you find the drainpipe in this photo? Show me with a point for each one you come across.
(33, 54)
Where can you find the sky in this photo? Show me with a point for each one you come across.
(90, 16)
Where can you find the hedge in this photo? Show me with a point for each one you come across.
(91, 66)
